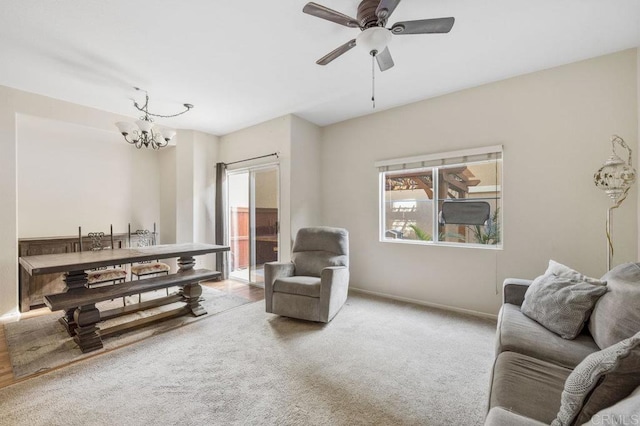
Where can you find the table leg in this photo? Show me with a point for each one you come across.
(185, 263)
(74, 280)
(191, 294)
(87, 333)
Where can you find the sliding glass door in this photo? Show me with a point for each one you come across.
(253, 201)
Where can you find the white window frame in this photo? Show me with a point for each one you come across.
(434, 162)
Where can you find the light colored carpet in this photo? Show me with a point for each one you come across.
(41, 343)
(378, 362)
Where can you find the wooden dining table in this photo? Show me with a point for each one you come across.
(78, 301)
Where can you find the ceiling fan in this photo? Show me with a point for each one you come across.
(371, 19)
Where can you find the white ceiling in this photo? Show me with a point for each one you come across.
(246, 61)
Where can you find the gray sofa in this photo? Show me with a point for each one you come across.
(533, 363)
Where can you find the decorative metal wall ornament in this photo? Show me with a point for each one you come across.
(615, 177)
(142, 132)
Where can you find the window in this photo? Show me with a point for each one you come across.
(452, 198)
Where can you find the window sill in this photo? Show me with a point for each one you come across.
(442, 244)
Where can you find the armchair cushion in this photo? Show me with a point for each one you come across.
(319, 247)
(311, 263)
(300, 285)
(334, 240)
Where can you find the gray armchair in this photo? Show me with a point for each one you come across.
(314, 285)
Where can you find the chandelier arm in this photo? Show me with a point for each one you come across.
(187, 106)
(132, 142)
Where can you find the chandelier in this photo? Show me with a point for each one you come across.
(142, 132)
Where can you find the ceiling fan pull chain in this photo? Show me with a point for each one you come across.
(373, 80)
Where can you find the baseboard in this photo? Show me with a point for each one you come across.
(10, 317)
(423, 303)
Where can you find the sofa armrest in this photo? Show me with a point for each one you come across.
(273, 271)
(334, 286)
(499, 416)
(513, 290)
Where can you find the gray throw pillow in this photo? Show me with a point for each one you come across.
(562, 299)
(616, 316)
(599, 381)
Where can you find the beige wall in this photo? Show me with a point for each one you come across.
(15, 107)
(305, 175)
(35, 129)
(196, 155)
(168, 160)
(555, 127)
(72, 175)
(8, 206)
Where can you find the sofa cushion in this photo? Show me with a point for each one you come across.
(616, 315)
(562, 299)
(527, 386)
(300, 285)
(601, 380)
(518, 333)
(499, 416)
(624, 412)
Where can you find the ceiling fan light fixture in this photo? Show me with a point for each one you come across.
(374, 39)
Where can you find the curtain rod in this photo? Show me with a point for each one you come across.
(254, 158)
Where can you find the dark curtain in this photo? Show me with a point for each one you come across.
(221, 219)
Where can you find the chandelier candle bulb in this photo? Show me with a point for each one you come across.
(144, 126)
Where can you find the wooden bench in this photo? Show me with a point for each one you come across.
(81, 315)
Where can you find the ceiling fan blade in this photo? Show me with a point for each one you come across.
(337, 52)
(323, 12)
(423, 26)
(385, 61)
(386, 8)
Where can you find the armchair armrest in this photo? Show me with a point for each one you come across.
(334, 286)
(513, 290)
(273, 271)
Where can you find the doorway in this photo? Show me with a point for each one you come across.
(253, 200)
